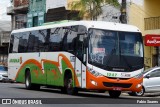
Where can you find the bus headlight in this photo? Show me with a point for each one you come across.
(139, 85)
(95, 73)
(94, 83)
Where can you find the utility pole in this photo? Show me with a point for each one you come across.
(123, 16)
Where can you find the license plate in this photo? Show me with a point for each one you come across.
(117, 88)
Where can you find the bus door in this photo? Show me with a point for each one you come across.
(80, 67)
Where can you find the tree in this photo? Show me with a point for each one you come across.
(91, 8)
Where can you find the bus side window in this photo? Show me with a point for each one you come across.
(69, 38)
(31, 41)
(23, 40)
(16, 43)
(42, 35)
(55, 40)
(11, 43)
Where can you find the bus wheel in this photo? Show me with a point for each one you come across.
(69, 85)
(132, 93)
(28, 83)
(114, 94)
(28, 80)
(101, 91)
(63, 90)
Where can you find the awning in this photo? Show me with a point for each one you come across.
(152, 40)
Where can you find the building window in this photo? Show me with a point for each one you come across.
(35, 21)
(20, 21)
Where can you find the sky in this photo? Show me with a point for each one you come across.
(3, 10)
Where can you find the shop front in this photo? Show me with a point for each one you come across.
(152, 54)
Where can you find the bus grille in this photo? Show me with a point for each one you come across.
(108, 84)
(118, 78)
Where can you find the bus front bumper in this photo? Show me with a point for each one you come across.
(105, 83)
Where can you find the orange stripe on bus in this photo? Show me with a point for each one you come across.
(33, 61)
(53, 62)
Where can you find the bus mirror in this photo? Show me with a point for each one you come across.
(85, 42)
(84, 57)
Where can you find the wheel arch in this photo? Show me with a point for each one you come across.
(66, 73)
(27, 70)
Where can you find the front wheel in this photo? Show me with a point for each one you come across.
(70, 89)
(114, 94)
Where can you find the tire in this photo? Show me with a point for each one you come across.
(101, 91)
(114, 94)
(132, 93)
(63, 90)
(28, 84)
(69, 85)
(28, 80)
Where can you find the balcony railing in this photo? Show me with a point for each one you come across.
(152, 23)
(5, 37)
(10, 10)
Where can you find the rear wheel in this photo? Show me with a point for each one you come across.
(28, 80)
(114, 94)
(28, 83)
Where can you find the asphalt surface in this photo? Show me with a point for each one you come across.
(53, 97)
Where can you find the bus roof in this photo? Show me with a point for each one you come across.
(88, 24)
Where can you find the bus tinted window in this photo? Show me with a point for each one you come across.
(69, 38)
(42, 35)
(11, 44)
(36, 41)
(32, 45)
(55, 40)
(23, 42)
(16, 42)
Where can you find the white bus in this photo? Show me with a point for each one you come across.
(91, 55)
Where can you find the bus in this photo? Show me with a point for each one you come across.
(78, 55)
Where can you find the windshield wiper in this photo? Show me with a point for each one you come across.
(128, 64)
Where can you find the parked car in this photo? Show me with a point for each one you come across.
(3, 73)
(151, 82)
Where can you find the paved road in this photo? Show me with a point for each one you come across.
(88, 99)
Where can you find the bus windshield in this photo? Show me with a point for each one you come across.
(115, 50)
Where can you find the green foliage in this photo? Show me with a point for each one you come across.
(92, 8)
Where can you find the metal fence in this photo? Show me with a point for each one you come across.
(152, 23)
